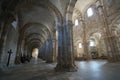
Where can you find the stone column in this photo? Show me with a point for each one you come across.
(54, 50)
(75, 52)
(56, 45)
(65, 49)
(99, 49)
(49, 58)
(1, 28)
(60, 48)
(85, 43)
(19, 53)
(7, 22)
(41, 52)
(117, 39)
(44, 47)
(25, 50)
(109, 39)
(70, 52)
(115, 45)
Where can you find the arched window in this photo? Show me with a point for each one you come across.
(14, 24)
(92, 43)
(80, 45)
(89, 12)
(76, 22)
(35, 53)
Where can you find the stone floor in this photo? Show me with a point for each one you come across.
(39, 70)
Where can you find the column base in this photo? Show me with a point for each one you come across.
(66, 67)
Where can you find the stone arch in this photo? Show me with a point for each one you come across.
(33, 45)
(92, 32)
(32, 34)
(79, 15)
(77, 41)
(34, 39)
(26, 26)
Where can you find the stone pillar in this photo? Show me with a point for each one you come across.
(115, 45)
(56, 45)
(7, 22)
(44, 47)
(70, 52)
(25, 50)
(60, 48)
(109, 39)
(85, 43)
(40, 52)
(99, 49)
(65, 49)
(1, 28)
(19, 53)
(54, 50)
(49, 58)
(75, 52)
(117, 39)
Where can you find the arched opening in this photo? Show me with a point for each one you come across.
(92, 49)
(97, 48)
(76, 22)
(80, 45)
(80, 53)
(89, 12)
(35, 52)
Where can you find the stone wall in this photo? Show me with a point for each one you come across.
(11, 43)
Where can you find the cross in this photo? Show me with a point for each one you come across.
(9, 52)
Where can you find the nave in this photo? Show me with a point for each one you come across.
(77, 39)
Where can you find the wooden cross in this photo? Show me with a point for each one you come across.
(9, 52)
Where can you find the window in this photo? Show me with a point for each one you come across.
(80, 45)
(76, 22)
(92, 43)
(89, 12)
(14, 24)
(35, 53)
